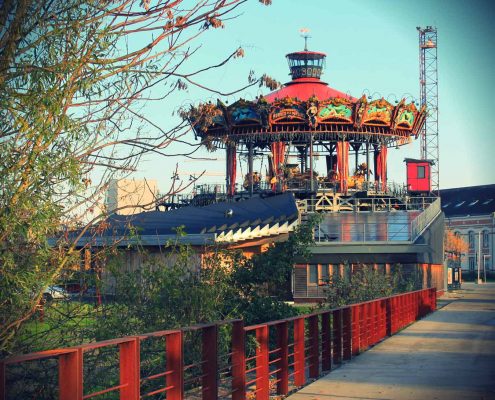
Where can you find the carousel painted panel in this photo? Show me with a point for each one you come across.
(244, 113)
(336, 111)
(405, 116)
(287, 111)
(378, 113)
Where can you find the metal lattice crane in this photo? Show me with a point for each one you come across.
(428, 82)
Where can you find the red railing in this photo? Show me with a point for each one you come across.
(264, 359)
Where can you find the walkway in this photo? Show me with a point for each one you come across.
(447, 355)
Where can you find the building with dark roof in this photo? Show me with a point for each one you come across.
(470, 213)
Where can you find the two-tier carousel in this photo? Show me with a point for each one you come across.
(303, 118)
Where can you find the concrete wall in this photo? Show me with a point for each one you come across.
(135, 195)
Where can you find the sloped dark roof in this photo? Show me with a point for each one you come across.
(226, 221)
(471, 200)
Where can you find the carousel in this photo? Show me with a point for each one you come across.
(303, 120)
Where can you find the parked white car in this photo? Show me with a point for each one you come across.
(55, 293)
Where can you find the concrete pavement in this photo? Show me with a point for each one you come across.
(448, 355)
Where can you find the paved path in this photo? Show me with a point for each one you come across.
(448, 355)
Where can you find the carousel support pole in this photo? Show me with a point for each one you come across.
(311, 184)
(227, 170)
(250, 167)
(367, 163)
(356, 163)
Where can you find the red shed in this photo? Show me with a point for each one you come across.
(418, 175)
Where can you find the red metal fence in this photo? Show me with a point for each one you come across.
(260, 360)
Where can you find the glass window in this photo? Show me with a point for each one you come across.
(323, 274)
(486, 259)
(313, 273)
(471, 239)
(471, 263)
(486, 239)
(421, 171)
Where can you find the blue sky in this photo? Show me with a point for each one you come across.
(371, 45)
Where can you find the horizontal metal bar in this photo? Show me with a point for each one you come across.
(148, 378)
(88, 396)
(157, 391)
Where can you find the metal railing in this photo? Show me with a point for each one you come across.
(364, 232)
(262, 360)
(425, 218)
(329, 203)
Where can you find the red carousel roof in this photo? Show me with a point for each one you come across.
(304, 88)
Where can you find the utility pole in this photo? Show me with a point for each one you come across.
(479, 257)
(428, 83)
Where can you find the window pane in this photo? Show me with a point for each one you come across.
(313, 274)
(421, 171)
(471, 263)
(323, 273)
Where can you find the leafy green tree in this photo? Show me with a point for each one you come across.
(367, 283)
(74, 77)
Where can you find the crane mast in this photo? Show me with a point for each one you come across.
(428, 82)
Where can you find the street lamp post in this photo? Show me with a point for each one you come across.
(479, 257)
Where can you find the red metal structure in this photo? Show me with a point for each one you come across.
(262, 360)
(418, 176)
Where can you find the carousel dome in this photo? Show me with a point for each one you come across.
(306, 68)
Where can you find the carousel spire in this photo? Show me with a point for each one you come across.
(305, 35)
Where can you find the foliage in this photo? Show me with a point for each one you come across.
(367, 283)
(454, 245)
(74, 77)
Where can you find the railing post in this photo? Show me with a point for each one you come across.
(130, 369)
(400, 312)
(69, 376)
(383, 319)
(326, 343)
(337, 336)
(299, 352)
(283, 364)
(356, 331)
(314, 359)
(238, 361)
(393, 315)
(388, 316)
(417, 303)
(347, 333)
(210, 362)
(363, 328)
(175, 365)
(375, 320)
(262, 364)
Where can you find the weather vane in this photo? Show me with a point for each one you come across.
(305, 34)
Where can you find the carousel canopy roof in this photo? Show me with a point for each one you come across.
(304, 107)
(305, 88)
